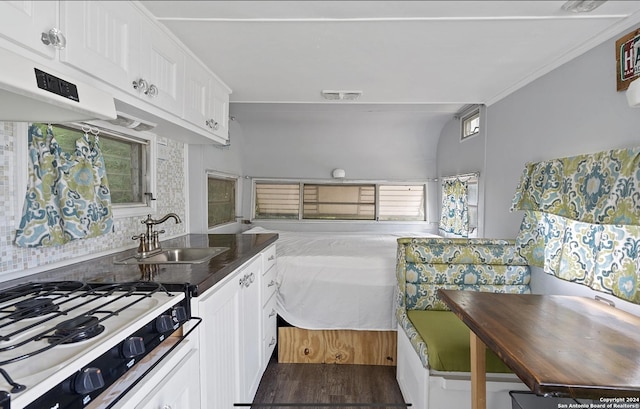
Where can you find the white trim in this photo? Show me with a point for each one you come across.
(389, 19)
(605, 35)
(21, 132)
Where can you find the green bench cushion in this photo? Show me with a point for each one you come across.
(447, 339)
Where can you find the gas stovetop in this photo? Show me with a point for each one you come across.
(52, 333)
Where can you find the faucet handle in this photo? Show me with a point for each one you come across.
(143, 247)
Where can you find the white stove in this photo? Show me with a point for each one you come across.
(63, 343)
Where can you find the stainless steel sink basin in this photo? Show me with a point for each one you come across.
(188, 255)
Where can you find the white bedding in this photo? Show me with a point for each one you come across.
(337, 280)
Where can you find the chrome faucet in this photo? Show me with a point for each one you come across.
(149, 241)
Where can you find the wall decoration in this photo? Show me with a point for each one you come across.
(627, 59)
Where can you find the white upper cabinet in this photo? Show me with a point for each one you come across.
(23, 22)
(206, 103)
(196, 95)
(103, 39)
(126, 51)
(162, 67)
(114, 42)
(219, 98)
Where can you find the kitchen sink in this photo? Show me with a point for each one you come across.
(187, 255)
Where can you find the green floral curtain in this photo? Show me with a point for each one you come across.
(454, 218)
(67, 195)
(582, 220)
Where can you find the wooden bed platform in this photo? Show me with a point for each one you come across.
(297, 345)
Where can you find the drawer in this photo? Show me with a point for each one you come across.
(269, 317)
(268, 285)
(268, 258)
(269, 336)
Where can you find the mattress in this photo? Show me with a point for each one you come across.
(337, 280)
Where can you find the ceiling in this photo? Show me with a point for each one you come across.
(435, 54)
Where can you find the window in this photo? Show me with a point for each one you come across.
(339, 202)
(470, 124)
(326, 201)
(221, 200)
(127, 159)
(277, 201)
(400, 202)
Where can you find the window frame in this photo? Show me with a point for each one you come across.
(222, 176)
(377, 183)
(114, 131)
(468, 116)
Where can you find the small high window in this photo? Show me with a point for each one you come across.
(470, 124)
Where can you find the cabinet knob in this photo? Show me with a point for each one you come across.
(273, 341)
(271, 257)
(272, 313)
(216, 125)
(141, 85)
(54, 38)
(152, 92)
(271, 283)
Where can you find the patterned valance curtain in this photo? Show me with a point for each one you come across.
(454, 218)
(67, 195)
(582, 219)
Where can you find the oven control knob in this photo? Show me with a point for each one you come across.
(180, 313)
(164, 323)
(88, 380)
(132, 347)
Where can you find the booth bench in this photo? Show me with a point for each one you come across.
(433, 363)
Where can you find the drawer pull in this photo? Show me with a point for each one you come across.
(271, 283)
(273, 341)
(271, 257)
(272, 313)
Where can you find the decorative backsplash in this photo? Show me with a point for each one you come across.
(171, 197)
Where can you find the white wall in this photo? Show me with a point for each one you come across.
(574, 109)
(308, 142)
(225, 160)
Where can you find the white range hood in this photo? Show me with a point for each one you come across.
(31, 92)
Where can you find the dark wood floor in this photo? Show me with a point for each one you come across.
(328, 386)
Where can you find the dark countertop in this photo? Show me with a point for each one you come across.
(200, 277)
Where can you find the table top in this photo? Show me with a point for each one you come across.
(558, 345)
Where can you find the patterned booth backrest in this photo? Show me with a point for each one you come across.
(426, 264)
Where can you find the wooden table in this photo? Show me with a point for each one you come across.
(558, 345)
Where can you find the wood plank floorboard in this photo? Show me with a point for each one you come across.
(304, 386)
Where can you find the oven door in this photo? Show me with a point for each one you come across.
(164, 378)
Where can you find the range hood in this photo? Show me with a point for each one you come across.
(31, 92)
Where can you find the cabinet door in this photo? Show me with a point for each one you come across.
(178, 389)
(196, 95)
(23, 22)
(219, 366)
(163, 67)
(219, 100)
(102, 40)
(250, 332)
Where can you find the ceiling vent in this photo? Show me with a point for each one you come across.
(131, 122)
(333, 95)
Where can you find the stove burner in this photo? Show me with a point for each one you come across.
(34, 307)
(76, 330)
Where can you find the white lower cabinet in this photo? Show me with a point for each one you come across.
(177, 390)
(230, 338)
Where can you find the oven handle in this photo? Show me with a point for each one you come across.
(152, 367)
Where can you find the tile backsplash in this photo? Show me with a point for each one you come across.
(16, 261)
